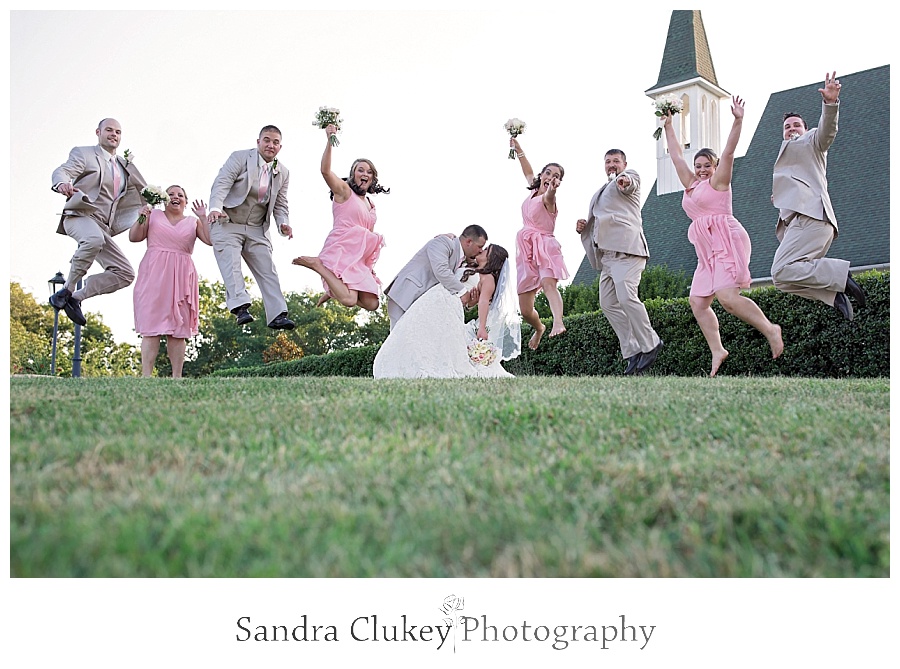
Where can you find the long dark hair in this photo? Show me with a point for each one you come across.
(373, 188)
(497, 255)
(537, 179)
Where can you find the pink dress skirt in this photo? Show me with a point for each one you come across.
(352, 248)
(721, 243)
(166, 291)
(538, 254)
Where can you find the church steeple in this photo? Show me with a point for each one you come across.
(687, 72)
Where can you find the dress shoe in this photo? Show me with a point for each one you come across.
(59, 298)
(855, 291)
(632, 364)
(282, 322)
(243, 314)
(842, 304)
(647, 359)
(62, 299)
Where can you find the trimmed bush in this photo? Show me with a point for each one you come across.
(818, 342)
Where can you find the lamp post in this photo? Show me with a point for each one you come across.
(54, 284)
(76, 356)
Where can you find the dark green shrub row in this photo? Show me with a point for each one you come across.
(349, 362)
(818, 342)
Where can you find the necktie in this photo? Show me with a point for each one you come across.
(117, 180)
(263, 181)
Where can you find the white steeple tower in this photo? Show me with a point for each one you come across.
(687, 72)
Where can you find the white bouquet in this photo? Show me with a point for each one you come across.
(666, 105)
(154, 195)
(329, 116)
(514, 127)
(482, 352)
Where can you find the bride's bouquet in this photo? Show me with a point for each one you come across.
(329, 116)
(514, 127)
(666, 105)
(482, 352)
(154, 195)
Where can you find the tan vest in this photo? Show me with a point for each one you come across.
(250, 211)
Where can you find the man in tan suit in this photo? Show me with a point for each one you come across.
(806, 222)
(613, 238)
(103, 198)
(251, 189)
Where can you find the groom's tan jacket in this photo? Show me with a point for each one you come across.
(434, 263)
(614, 222)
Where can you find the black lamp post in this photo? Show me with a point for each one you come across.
(54, 284)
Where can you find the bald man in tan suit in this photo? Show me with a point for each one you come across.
(103, 199)
(806, 222)
(613, 239)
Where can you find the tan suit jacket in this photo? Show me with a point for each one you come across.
(799, 184)
(435, 263)
(614, 222)
(85, 170)
(232, 186)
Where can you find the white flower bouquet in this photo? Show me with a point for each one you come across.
(666, 105)
(154, 195)
(514, 127)
(482, 352)
(329, 116)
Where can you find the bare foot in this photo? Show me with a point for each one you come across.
(322, 300)
(717, 360)
(536, 337)
(557, 330)
(312, 262)
(776, 343)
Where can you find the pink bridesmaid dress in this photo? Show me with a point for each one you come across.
(721, 243)
(166, 292)
(352, 248)
(538, 254)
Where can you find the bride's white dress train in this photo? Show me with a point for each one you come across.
(431, 340)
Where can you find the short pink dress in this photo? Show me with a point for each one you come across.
(352, 248)
(722, 244)
(166, 292)
(538, 254)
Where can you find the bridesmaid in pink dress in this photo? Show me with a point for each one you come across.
(166, 292)
(722, 244)
(539, 258)
(347, 260)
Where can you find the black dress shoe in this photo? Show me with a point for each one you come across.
(282, 322)
(243, 314)
(73, 311)
(632, 364)
(842, 304)
(59, 298)
(855, 291)
(647, 359)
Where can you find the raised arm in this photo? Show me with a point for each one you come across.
(199, 209)
(682, 169)
(337, 185)
(721, 178)
(549, 196)
(527, 170)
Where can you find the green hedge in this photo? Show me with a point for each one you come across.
(818, 342)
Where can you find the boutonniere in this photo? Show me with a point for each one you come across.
(129, 157)
(274, 166)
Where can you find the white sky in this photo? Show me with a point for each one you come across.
(422, 94)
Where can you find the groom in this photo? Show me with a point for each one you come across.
(435, 263)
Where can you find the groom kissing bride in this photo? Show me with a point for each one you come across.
(429, 337)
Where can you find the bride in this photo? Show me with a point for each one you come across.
(431, 340)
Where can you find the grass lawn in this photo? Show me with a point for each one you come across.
(533, 476)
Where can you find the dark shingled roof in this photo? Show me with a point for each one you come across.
(687, 53)
(858, 181)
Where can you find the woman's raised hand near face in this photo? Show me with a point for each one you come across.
(199, 209)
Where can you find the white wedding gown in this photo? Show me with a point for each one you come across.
(430, 341)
